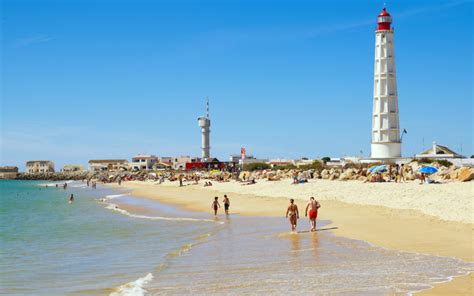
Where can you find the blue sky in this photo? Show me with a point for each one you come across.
(83, 80)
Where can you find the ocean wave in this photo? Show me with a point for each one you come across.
(112, 196)
(114, 207)
(53, 184)
(134, 288)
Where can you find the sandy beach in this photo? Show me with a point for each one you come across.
(430, 219)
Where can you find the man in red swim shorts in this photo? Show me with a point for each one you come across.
(312, 211)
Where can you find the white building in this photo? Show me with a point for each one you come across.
(8, 172)
(69, 168)
(167, 160)
(179, 163)
(111, 165)
(439, 152)
(143, 162)
(385, 119)
(39, 166)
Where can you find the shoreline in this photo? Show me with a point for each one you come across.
(399, 229)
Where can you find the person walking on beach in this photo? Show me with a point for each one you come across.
(401, 173)
(215, 205)
(312, 211)
(226, 202)
(71, 198)
(180, 178)
(293, 214)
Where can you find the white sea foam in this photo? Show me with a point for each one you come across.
(54, 184)
(134, 288)
(114, 207)
(112, 196)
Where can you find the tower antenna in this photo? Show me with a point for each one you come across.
(207, 107)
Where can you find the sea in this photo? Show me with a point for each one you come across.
(107, 242)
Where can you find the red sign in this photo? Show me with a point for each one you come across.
(242, 152)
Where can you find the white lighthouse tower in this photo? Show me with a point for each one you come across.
(205, 125)
(386, 141)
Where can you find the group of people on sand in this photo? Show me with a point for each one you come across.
(292, 212)
(216, 205)
(394, 174)
(311, 212)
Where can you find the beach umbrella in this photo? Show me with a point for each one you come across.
(428, 170)
(378, 169)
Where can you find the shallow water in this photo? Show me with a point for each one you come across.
(51, 247)
(260, 256)
(109, 243)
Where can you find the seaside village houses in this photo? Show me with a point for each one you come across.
(8, 172)
(110, 165)
(70, 168)
(143, 162)
(39, 166)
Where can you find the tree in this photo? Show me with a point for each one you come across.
(326, 159)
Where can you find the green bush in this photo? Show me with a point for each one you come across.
(285, 167)
(444, 162)
(318, 165)
(472, 156)
(256, 166)
(425, 160)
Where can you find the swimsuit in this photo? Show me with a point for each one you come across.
(226, 206)
(313, 214)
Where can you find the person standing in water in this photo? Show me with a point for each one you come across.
(226, 202)
(215, 205)
(312, 211)
(71, 198)
(293, 214)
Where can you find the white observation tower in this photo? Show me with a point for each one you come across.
(385, 120)
(205, 125)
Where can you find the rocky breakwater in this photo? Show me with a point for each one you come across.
(54, 176)
(362, 173)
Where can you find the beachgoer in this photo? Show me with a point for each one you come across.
(215, 205)
(295, 177)
(64, 186)
(226, 202)
(71, 198)
(120, 182)
(180, 178)
(401, 173)
(56, 185)
(312, 211)
(293, 214)
(422, 178)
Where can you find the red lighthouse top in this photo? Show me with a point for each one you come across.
(384, 20)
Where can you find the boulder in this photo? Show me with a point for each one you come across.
(345, 176)
(362, 178)
(454, 174)
(465, 174)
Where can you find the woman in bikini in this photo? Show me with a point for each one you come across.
(293, 214)
(215, 205)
